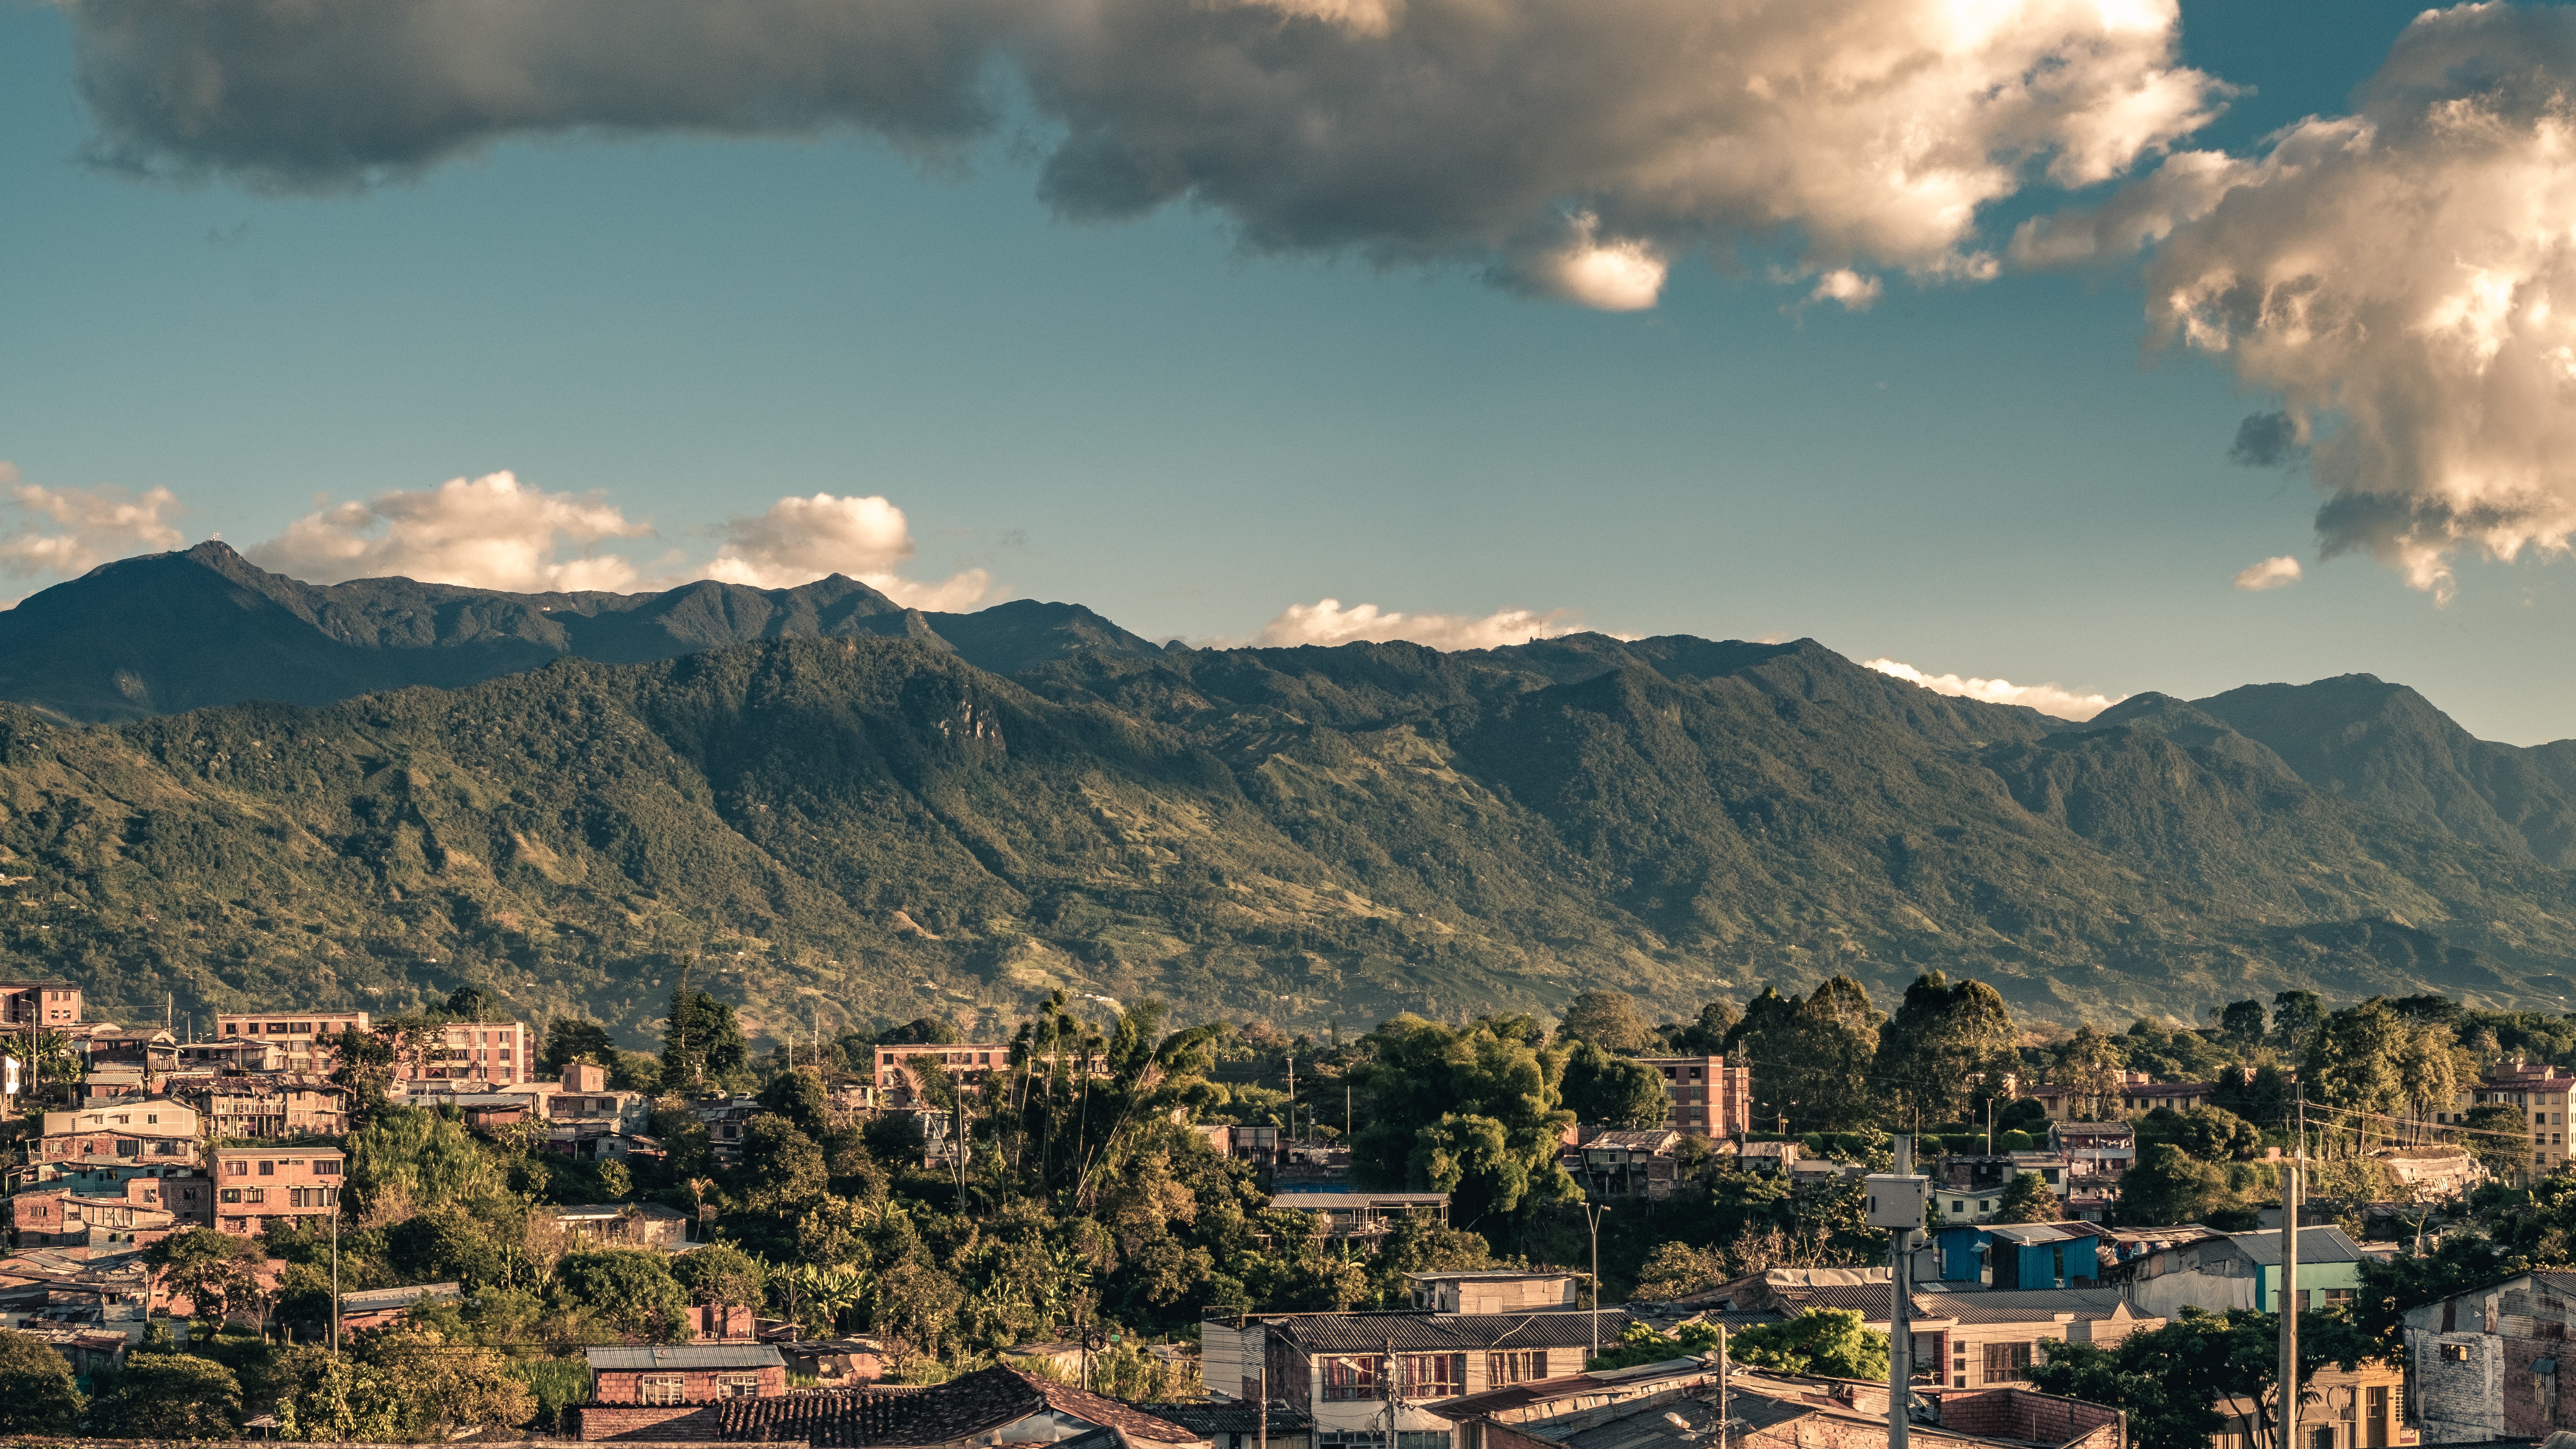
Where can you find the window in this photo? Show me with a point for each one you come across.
(254, 1194)
(1956, 1206)
(2339, 1295)
(328, 1168)
(233, 1194)
(739, 1386)
(1346, 1379)
(1435, 1376)
(2455, 1353)
(268, 1168)
(2007, 1363)
(1421, 1439)
(662, 1389)
(1517, 1367)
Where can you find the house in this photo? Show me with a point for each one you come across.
(148, 1051)
(2243, 1270)
(271, 1105)
(2432, 1173)
(153, 1130)
(377, 1307)
(1235, 1425)
(581, 1108)
(1256, 1143)
(2485, 1362)
(1780, 1411)
(625, 1225)
(185, 1190)
(57, 1217)
(255, 1186)
(2094, 1149)
(981, 1410)
(1492, 1290)
(298, 1035)
(1338, 1368)
(237, 1057)
(1967, 1339)
(1363, 1216)
(1618, 1163)
(1768, 1157)
(1704, 1097)
(2022, 1255)
(39, 1003)
(665, 1393)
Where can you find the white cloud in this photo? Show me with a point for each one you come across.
(2404, 279)
(1868, 133)
(2272, 573)
(1856, 292)
(798, 540)
(485, 533)
(2050, 699)
(1326, 622)
(73, 530)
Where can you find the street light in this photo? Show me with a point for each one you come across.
(1592, 1213)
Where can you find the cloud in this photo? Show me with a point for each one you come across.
(799, 540)
(2404, 279)
(2268, 440)
(1410, 132)
(2272, 573)
(1326, 622)
(2049, 699)
(1856, 292)
(485, 533)
(73, 530)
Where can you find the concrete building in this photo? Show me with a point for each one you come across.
(2094, 1149)
(2539, 1090)
(154, 1131)
(297, 1034)
(2243, 1270)
(624, 1225)
(499, 1053)
(255, 1186)
(1492, 1290)
(2486, 1363)
(39, 1003)
(57, 1217)
(898, 1068)
(1704, 1096)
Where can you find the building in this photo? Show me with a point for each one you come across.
(377, 1307)
(1541, 1400)
(255, 1186)
(625, 1225)
(1338, 1368)
(152, 1130)
(39, 1003)
(1619, 1162)
(1257, 1143)
(2486, 1362)
(667, 1393)
(2539, 1090)
(981, 1410)
(1492, 1290)
(899, 1068)
(2094, 1149)
(273, 1105)
(2243, 1270)
(1234, 1425)
(148, 1052)
(1365, 1216)
(495, 1052)
(2020, 1255)
(57, 1217)
(297, 1034)
(1705, 1097)
(1781, 1411)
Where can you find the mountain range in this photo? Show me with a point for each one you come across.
(220, 788)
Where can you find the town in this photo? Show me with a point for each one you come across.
(1482, 1235)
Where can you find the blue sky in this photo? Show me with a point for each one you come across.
(1984, 479)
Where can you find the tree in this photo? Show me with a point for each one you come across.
(1612, 1090)
(1609, 1020)
(37, 1395)
(1811, 1059)
(2352, 1059)
(2428, 1070)
(2090, 1068)
(2499, 1137)
(1830, 1341)
(406, 1382)
(629, 1290)
(472, 1003)
(2170, 1380)
(2027, 1199)
(215, 1272)
(1677, 1268)
(702, 1044)
(921, 1031)
(798, 1096)
(1705, 1035)
(2242, 1022)
(165, 1396)
(1474, 1111)
(570, 1039)
(2168, 1186)
(721, 1273)
(420, 1159)
(2296, 1015)
(1941, 1033)
(2212, 1134)
(782, 1168)
(2260, 1095)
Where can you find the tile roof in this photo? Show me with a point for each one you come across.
(1229, 1416)
(1357, 1333)
(961, 1408)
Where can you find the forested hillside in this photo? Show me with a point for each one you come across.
(870, 828)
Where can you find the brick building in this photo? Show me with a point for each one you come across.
(2486, 1362)
(1704, 1096)
(255, 1186)
(298, 1033)
(153, 1131)
(496, 1052)
(57, 1217)
(39, 1003)
(669, 1392)
(898, 1079)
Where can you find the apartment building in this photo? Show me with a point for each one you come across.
(2540, 1090)
(1705, 1097)
(899, 1080)
(283, 1104)
(39, 1003)
(298, 1034)
(154, 1131)
(255, 1186)
(499, 1053)
(2138, 1094)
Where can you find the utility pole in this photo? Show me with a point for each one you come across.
(1592, 1213)
(1900, 1328)
(1721, 1386)
(2290, 1293)
(1292, 1095)
(1261, 1430)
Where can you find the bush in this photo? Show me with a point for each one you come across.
(553, 1383)
(165, 1396)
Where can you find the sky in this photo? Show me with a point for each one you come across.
(2202, 358)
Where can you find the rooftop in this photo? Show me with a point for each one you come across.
(961, 1408)
(1312, 1201)
(1361, 1333)
(2316, 1245)
(686, 1356)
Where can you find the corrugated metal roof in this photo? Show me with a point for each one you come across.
(1311, 1201)
(2316, 1245)
(688, 1356)
(1362, 1333)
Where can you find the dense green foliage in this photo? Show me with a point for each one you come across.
(37, 1395)
(1828, 1341)
(2170, 1380)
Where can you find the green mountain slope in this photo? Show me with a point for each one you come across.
(870, 827)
